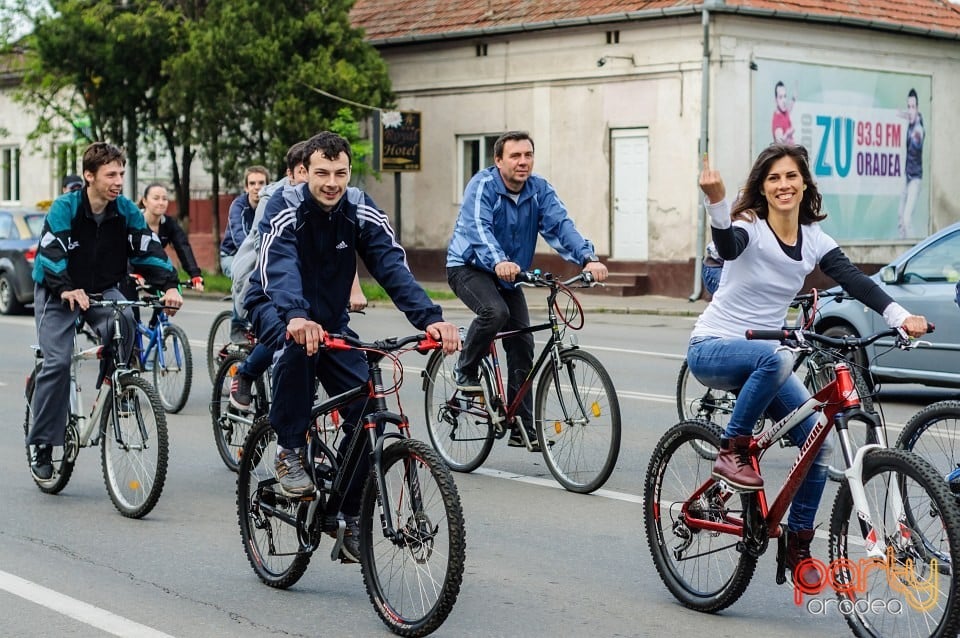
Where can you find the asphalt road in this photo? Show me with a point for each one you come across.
(541, 561)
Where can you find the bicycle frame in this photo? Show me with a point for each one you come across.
(373, 425)
(553, 349)
(87, 424)
(154, 331)
(836, 404)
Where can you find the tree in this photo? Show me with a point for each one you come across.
(245, 77)
(230, 79)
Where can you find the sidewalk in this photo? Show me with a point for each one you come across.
(598, 302)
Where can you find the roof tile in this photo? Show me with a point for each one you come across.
(404, 19)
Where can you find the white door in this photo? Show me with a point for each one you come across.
(630, 150)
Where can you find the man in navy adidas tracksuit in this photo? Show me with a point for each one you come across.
(301, 288)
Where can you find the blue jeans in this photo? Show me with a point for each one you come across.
(711, 277)
(766, 384)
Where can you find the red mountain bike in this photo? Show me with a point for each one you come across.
(894, 527)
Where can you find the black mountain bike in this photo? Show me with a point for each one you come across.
(412, 538)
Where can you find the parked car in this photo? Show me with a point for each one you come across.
(923, 280)
(19, 236)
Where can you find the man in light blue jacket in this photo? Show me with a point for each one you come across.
(504, 208)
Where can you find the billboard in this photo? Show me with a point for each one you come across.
(866, 134)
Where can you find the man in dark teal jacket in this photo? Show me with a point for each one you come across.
(87, 239)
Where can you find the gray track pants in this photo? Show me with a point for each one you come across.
(55, 333)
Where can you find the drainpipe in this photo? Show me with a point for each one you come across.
(704, 113)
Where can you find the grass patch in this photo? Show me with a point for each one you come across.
(215, 282)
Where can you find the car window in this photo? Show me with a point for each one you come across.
(6, 226)
(35, 224)
(938, 262)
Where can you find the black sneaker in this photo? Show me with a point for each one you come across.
(241, 392)
(42, 465)
(467, 383)
(350, 550)
(516, 440)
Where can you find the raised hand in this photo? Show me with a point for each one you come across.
(711, 183)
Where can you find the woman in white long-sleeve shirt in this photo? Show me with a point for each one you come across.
(770, 242)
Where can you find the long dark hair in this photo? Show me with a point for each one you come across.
(752, 203)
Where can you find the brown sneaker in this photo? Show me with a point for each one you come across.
(798, 556)
(733, 464)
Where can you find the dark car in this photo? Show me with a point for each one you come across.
(19, 237)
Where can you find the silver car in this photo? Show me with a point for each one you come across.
(923, 280)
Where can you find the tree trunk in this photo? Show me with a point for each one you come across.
(215, 194)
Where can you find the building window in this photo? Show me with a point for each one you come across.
(10, 174)
(476, 153)
(481, 50)
(613, 37)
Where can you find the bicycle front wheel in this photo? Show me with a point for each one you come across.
(172, 377)
(218, 342)
(458, 426)
(933, 434)
(412, 572)
(63, 456)
(230, 424)
(892, 573)
(704, 570)
(268, 520)
(134, 447)
(578, 421)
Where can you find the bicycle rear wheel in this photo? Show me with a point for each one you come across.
(933, 434)
(458, 426)
(578, 421)
(412, 577)
(231, 425)
(64, 456)
(218, 342)
(268, 520)
(704, 570)
(697, 401)
(134, 447)
(907, 564)
(172, 379)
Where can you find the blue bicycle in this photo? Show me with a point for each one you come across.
(166, 356)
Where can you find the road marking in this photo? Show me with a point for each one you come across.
(542, 482)
(77, 609)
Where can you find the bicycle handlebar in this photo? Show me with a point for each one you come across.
(799, 336)
(425, 343)
(97, 300)
(807, 299)
(546, 279)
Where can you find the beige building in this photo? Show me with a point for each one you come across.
(622, 98)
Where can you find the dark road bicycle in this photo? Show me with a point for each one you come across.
(126, 420)
(412, 537)
(576, 411)
(894, 529)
